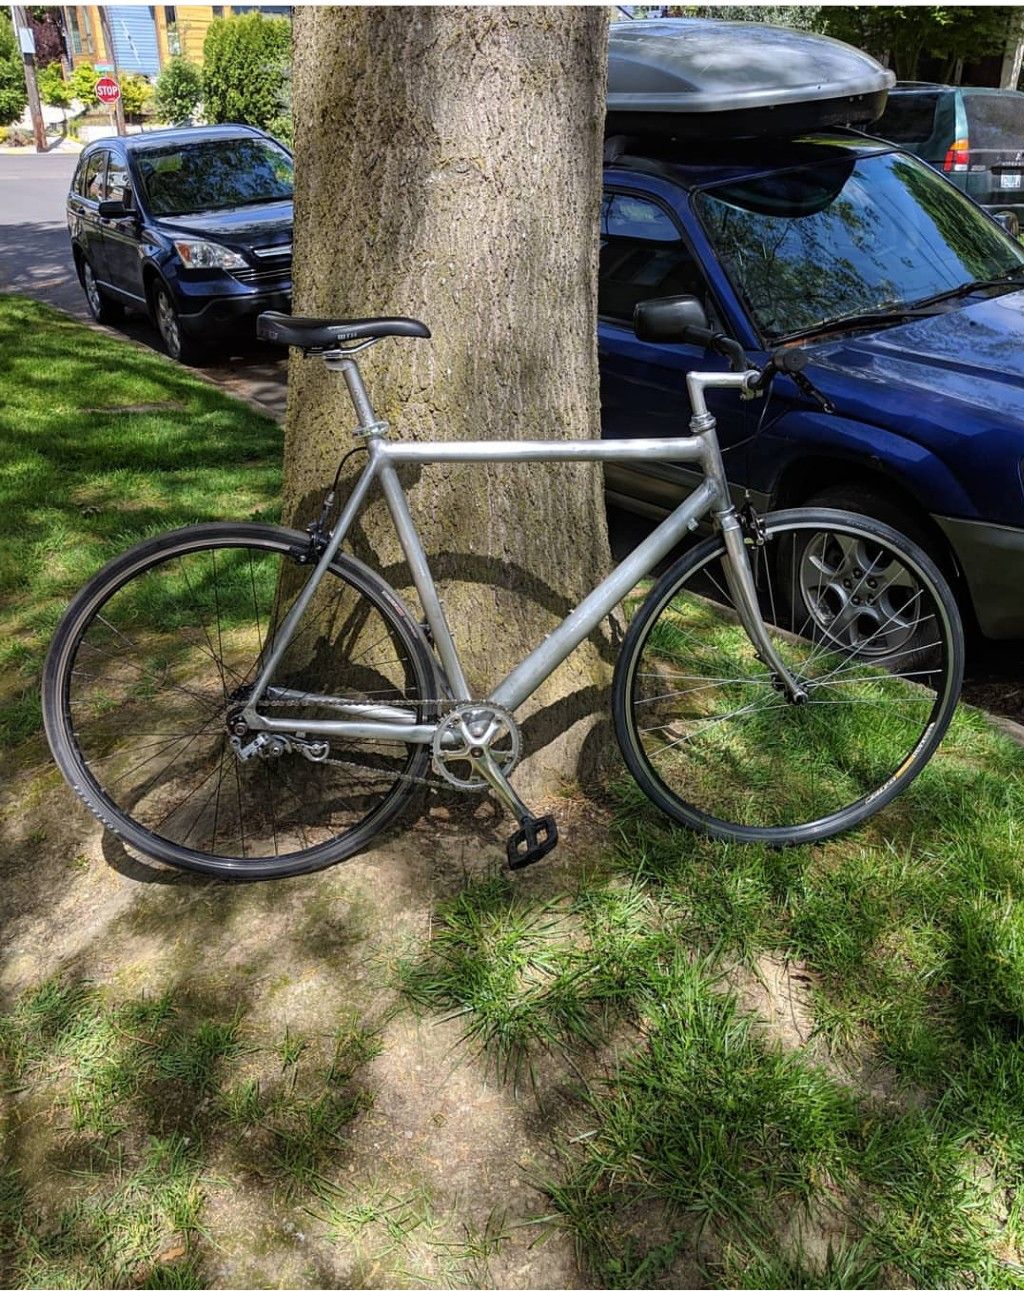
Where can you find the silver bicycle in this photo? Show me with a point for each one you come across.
(248, 701)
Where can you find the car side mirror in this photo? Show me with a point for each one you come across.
(113, 210)
(1009, 222)
(672, 318)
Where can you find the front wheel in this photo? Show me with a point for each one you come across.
(178, 344)
(714, 740)
(152, 667)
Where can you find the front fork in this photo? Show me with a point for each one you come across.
(739, 575)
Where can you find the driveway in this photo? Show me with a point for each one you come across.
(35, 259)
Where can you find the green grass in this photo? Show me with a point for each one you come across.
(139, 1102)
(102, 443)
(887, 1151)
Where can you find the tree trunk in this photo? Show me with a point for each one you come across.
(449, 168)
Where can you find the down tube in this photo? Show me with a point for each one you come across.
(540, 663)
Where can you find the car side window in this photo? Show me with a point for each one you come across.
(92, 177)
(643, 255)
(118, 189)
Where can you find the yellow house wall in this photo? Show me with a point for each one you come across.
(193, 22)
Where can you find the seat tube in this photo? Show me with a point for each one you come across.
(409, 538)
(349, 369)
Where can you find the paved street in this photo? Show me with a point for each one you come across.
(35, 258)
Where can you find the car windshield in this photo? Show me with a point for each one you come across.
(813, 245)
(214, 175)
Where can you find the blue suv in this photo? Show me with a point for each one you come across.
(908, 300)
(192, 226)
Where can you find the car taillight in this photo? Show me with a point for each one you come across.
(958, 156)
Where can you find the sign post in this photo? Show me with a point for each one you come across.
(109, 94)
(108, 40)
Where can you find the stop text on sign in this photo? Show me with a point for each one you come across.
(107, 90)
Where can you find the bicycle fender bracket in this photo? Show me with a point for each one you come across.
(535, 837)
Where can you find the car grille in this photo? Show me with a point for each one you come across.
(279, 273)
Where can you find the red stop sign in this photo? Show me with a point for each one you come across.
(107, 90)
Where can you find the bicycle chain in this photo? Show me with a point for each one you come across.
(443, 707)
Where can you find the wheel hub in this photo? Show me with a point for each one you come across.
(464, 735)
(860, 595)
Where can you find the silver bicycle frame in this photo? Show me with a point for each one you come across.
(385, 722)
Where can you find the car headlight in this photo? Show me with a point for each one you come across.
(196, 254)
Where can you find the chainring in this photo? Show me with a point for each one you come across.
(462, 736)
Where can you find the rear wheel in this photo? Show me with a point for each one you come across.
(153, 664)
(102, 308)
(713, 739)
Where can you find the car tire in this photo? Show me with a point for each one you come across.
(178, 344)
(864, 501)
(101, 307)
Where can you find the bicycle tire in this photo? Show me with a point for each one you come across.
(707, 623)
(122, 586)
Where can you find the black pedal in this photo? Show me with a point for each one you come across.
(535, 837)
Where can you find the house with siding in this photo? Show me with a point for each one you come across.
(146, 36)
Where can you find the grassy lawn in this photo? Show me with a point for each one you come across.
(102, 444)
(663, 1060)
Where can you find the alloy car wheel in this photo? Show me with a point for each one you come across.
(101, 308)
(857, 595)
(167, 323)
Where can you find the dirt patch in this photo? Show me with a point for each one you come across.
(430, 1182)
(778, 993)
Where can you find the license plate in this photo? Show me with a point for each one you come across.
(1009, 179)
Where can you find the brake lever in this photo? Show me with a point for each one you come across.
(808, 387)
(792, 362)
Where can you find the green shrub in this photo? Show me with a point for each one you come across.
(83, 84)
(13, 95)
(53, 89)
(136, 92)
(179, 91)
(246, 61)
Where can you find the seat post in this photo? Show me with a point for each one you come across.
(349, 369)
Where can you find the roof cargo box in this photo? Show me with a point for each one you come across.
(689, 77)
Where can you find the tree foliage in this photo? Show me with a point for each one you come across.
(179, 91)
(13, 95)
(245, 69)
(901, 35)
(136, 92)
(803, 16)
(904, 34)
(44, 21)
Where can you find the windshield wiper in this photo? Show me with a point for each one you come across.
(873, 318)
(1006, 279)
(896, 314)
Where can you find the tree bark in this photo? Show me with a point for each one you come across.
(449, 168)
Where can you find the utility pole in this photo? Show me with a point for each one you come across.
(27, 44)
(108, 40)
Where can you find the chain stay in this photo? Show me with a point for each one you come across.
(442, 706)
